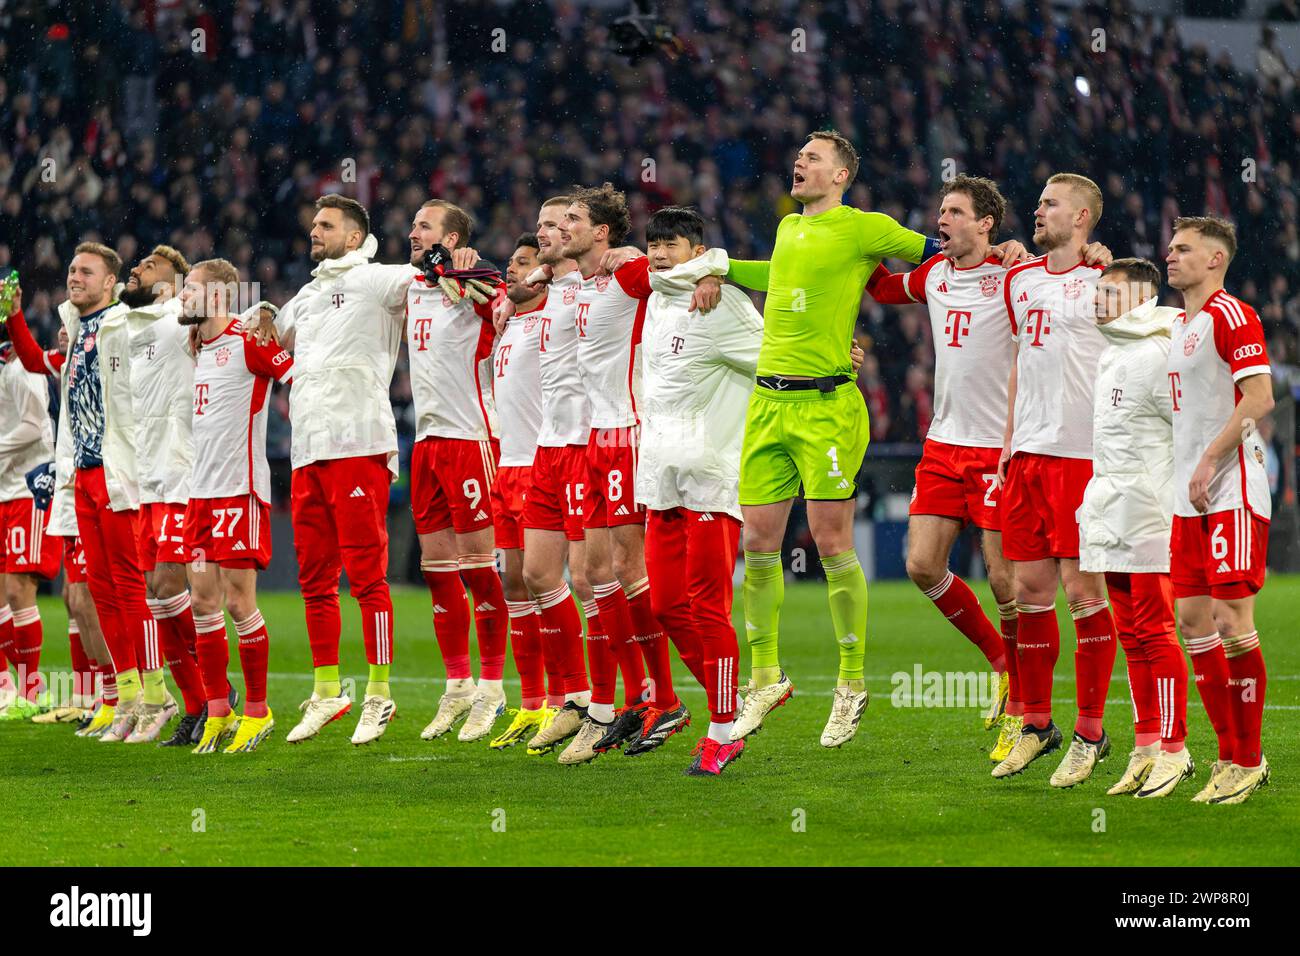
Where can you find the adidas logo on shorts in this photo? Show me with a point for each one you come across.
(239, 546)
(622, 510)
(1223, 568)
(844, 484)
(357, 492)
(707, 516)
(481, 515)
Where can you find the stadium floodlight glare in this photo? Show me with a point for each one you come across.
(1081, 84)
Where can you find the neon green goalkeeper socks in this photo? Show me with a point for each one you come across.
(764, 593)
(378, 683)
(847, 587)
(327, 682)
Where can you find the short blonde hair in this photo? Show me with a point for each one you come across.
(1087, 189)
(107, 253)
(218, 270)
(1212, 227)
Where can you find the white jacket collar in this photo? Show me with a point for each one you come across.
(158, 310)
(1147, 320)
(330, 268)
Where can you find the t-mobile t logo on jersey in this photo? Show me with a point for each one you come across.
(1115, 395)
(1038, 322)
(503, 359)
(544, 335)
(1176, 390)
(678, 342)
(337, 299)
(114, 361)
(583, 308)
(150, 351)
(200, 397)
(958, 325)
(420, 334)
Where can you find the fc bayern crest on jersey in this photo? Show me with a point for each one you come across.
(88, 344)
(530, 323)
(223, 356)
(602, 283)
(570, 295)
(1190, 343)
(989, 286)
(1073, 288)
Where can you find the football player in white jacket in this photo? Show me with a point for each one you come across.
(1126, 515)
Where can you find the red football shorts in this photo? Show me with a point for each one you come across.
(610, 498)
(161, 536)
(509, 493)
(232, 532)
(1220, 554)
(953, 481)
(1040, 505)
(74, 561)
(27, 548)
(451, 484)
(559, 477)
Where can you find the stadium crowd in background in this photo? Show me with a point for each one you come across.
(218, 141)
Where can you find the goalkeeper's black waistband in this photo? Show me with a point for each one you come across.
(779, 384)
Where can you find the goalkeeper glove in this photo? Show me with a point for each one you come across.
(40, 481)
(478, 284)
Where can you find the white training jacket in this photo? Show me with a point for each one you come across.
(1128, 507)
(698, 374)
(26, 433)
(348, 323)
(162, 392)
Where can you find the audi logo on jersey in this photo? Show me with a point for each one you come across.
(1247, 351)
(200, 397)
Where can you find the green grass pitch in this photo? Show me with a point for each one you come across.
(913, 789)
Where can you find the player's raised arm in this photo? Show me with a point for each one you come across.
(882, 237)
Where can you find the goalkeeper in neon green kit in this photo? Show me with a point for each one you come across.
(807, 422)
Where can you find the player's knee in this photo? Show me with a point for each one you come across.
(1228, 620)
(924, 574)
(539, 580)
(833, 540)
(513, 587)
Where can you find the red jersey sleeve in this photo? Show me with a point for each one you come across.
(1239, 337)
(888, 288)
(34, 358)
(270, 360)
(634, 277)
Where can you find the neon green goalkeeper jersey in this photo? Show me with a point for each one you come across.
(814, 283)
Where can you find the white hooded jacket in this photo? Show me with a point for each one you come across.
(698, 374)
(1127, 510)
(162, 389)
(348, 323)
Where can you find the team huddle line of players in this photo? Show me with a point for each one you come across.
(622, 415)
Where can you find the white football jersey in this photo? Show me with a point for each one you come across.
(566, 415)
(1211, 352)
(347, 324)
(516, 385)
(26, 431)
(973, 348)
(699, 375)
(449, 345)
(1053, 319)
(162, 389)
(610, 312)
(232, 380)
